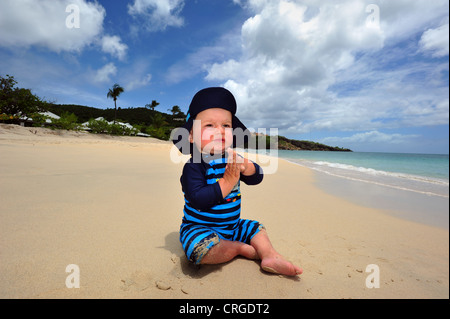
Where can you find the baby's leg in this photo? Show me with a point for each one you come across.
(202, 245)
(271, 260)
(226, 250)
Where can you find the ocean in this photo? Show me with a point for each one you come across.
(414, 187)
(408, 186)
(421, 173)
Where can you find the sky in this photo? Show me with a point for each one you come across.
(369, 75)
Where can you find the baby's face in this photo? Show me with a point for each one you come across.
(212, 131)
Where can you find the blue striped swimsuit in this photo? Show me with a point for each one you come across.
(208, 217)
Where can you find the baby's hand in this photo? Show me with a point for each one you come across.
(237, 159)
(233, 168)
(246, 167)
(231, 175)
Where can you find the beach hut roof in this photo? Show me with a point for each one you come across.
(51, 115)
(128, 125)
(48, 114)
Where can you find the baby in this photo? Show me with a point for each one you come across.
(212, 231)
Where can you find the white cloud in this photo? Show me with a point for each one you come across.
(158, 14)
(135, 75)
(48, 24)
(103, 75)
(289, 61)
(375, 141)
(203, 58)
(371, 137)
(114, 46)
(402, 18)
(137, 83)
(25, 23)
(316, 66)
(436, 41)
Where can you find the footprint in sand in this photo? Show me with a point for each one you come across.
(163, 285)
(176, 280)
(139, 280)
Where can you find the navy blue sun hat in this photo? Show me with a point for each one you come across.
(213, 97)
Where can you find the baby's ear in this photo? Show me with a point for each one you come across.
(191, 137)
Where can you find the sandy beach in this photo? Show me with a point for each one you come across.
(113, 207)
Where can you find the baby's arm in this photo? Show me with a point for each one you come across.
(231, 175)
(201, 195)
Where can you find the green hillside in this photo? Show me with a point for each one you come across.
(143, 118)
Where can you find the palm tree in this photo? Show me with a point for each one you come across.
(114, 94)
(175, 110)
(152, 106)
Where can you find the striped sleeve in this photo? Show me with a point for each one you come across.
(197, 190)
(254, 179)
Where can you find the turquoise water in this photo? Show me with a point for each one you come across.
(422, 173)
(425, 165)
(410, 186)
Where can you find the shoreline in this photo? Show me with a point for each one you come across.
(432, 210)
(113, 206)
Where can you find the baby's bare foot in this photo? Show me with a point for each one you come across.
(248, 252)
(278, 265)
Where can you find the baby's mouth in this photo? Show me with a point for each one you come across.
(219, 140)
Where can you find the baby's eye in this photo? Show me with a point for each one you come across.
(227, 125)
(208, 125)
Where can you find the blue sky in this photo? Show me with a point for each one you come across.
(367, 75)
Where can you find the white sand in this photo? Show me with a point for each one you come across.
(113, 207)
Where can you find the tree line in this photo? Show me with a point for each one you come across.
(18, 103)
